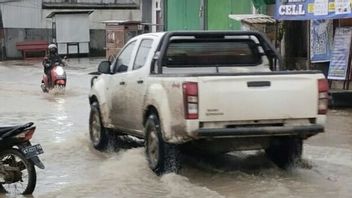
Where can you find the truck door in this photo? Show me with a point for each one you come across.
(118, 86)
(137, 86)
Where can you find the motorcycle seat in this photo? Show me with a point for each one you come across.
(8, 129)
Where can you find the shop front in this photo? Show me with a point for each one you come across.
(325, 31)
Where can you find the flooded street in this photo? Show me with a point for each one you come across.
(75, 169)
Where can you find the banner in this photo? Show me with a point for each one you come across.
(321, 40)
(312, 9)
(341, 54)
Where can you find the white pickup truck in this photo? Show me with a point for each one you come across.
(208, 91)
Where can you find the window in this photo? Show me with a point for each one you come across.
(216, 52)
(142, 54)
(121, 65)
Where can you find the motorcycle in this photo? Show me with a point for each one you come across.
(57, 78)
(17, 159)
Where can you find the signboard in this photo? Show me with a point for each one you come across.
(340, 55)
(321, 37)
(312, 9)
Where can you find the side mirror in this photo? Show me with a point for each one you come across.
(104, 67)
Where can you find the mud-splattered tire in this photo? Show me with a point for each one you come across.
(285, 152)
(98, 133)
(162, 157)
(9, 159)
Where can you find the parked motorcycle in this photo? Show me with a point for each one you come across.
(17, 159)
(57, 78)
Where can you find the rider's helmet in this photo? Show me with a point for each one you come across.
(52, 48)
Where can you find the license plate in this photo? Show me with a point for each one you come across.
(32, 151)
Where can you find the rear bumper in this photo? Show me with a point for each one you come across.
(302, 131)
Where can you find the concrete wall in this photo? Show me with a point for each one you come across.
(98, 16)
(22, 14)
(29, 14)
(26, 20)
(14, 35)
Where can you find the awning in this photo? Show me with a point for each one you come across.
(253, 18)
(88, 4)
(52, 14)
(121, 22)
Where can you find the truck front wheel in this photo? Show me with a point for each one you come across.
(285, 152)
(162, 157)
(98, 133)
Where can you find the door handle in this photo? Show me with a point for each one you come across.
(140, 82)
(259, 84)
(122, 83)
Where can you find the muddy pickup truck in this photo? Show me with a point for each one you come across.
(212, 92)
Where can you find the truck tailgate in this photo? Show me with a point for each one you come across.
(259, 97)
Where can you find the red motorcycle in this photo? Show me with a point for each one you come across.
(57, 79)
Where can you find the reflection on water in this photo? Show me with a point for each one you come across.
(58, 118)
(16, 196)
(176, 185)
(248, 161)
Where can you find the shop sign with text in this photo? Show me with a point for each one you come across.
(312, 9)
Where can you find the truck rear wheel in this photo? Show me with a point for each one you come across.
(162, 157)
(285, 152)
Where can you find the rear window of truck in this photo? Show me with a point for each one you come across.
(207, 52)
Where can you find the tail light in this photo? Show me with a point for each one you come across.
(60, 82)
(190, 98)
(323, 87)
(26, 135)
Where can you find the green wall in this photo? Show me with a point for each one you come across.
(218, 11)
(182, 14)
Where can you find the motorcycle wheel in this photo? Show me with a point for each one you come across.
(44, 89)
(23, 179)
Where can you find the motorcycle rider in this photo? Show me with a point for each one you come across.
(50, 60)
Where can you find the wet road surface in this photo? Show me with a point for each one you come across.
(75, 169)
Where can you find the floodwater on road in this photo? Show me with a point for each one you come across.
(75, 169)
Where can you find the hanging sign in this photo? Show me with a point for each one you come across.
(312, 9)
(341, 54)
(321, 37)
